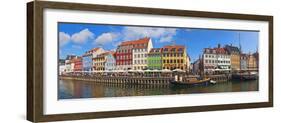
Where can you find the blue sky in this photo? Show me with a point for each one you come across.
(75, 38)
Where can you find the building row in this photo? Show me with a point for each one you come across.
(129, 55)
(225, 59)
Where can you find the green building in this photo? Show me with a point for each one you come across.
(154, 59)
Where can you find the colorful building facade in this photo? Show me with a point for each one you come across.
(235, 56)
(69, 65)
(244, 61)
(174, 57)
(105, 61)
(87, 58)
(216, 60)
(78, 65)
(154, 59)
(252, 62)
(110, 62)
(128, 49)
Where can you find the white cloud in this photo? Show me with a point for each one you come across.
(82, 36)
(167, 38)
(64, 38)
(79, 37)
(76, 47)
(106, 38)
(131, 33)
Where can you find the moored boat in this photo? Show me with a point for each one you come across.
(191, 81)
(245, 76)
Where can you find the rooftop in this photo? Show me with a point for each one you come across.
(133, 42)
(173, 48)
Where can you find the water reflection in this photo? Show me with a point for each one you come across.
(70, 89)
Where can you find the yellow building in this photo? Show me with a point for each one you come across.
(99, 62)
(252, 62)
(174, 57)
(234, 56)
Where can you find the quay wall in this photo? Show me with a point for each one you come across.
(219, 78)
(123, 80)
(137, 80)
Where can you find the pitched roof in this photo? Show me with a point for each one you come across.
(156, 50)
(69, 57)
(220, 50)
(173, 48)
(133, 42)
(232, 49)
(95, 49)
(106, 53)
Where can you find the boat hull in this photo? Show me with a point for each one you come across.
(177, 83)
(244, 77)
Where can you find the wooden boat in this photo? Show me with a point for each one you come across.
(245, 76)
(193, 81)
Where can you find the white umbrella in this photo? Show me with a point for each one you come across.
(178, 70)
(166, 70)
(147, 70)
(155, 70)
(131, 70)
(140, 71)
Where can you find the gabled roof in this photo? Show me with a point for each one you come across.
(220, 50)
(105, 54)
(134, 42)
(173, 48)
(156, 50)
(69, 57)
(232, 49)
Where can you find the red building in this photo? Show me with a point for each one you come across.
(124, 59)
(78, 65)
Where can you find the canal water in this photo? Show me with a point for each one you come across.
(73, 89)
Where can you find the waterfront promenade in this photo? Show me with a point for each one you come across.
(140, 80)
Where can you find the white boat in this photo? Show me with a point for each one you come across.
(213, 82)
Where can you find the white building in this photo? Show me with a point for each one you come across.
(216, 60)
(69, 66)
(140, 55)
(133, 54)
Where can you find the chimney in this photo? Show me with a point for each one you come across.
(219, 45)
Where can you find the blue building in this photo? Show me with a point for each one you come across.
(87, 61)
(87, 58)
(110, 62)
(244, 62)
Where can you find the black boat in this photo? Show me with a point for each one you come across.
(245, 76)
(192, 81)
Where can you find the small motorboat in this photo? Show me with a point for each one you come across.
(213, 81)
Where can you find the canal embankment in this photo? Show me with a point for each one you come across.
(137, 79)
